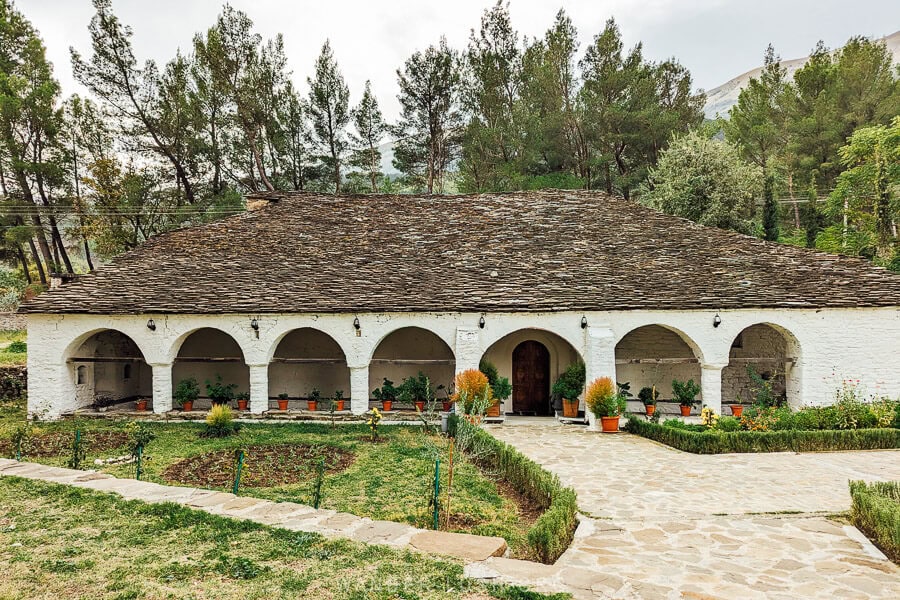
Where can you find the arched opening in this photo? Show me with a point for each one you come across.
(771, 353)
(205, 355)
(654, 355)
(405, 352)
(308, 359)
(109, 369)
(532, 359)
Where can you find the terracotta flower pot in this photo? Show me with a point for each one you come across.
(493, 410)
(282, 404)
(609, 424)
(339, 404)
(651, 408)
(420, 406)
(446, 405)
(187, 405)
(140, 405)
(311, 404)
(570, 408)
(685, 411)
(737, 409)
(242, 404)
(387, 405)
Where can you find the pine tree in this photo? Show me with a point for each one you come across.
(370, 130)
(329, 109)
(770, 216)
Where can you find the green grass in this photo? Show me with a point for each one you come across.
(390, 480)
(876, 512)
(62, 542)
(12, 359)
(765, 441)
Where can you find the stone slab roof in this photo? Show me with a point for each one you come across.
(526, 251)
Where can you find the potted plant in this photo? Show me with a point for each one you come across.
(605, 402)
(219, 392)
(140, 404)
(312, 401)
(386, 394)
(737, 409)
(447, 402)
(283, 401)
(243, 399)
(416, 390)
(568, 388)
(685, 393)
(649, 396)
(473, 394)
(339, 400)
(186, 393)
(501, 388)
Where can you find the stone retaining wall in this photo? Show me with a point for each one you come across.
(13, 382)
(12, 321)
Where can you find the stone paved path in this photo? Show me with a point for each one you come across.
(666, 524)
(287, 515)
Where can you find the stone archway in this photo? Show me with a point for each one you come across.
(109, 368)
(206, 353)
(307, 359)
(772, 353)
(407, 351)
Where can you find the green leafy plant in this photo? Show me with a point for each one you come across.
(603, 399)
(685, 392)
(762, 388)
(373, 422)
(220, 422)
(314, 395)
(187, 390)
(649, 396)
(139, 435)
(876, 512)
(501, 388)
(624, 389)
(570, 383)
(416, 388)
(219, 392)
(21, 439)
(283, 396)
(77, 451)
(17, 347)
(387, 391)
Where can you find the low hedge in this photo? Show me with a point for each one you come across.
(552, 533)
(876, 512)
(765, 441)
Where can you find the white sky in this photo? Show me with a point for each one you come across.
(715, 39)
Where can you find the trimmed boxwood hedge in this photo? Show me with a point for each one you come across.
(876, 512)
(552, 533)
(765, 441)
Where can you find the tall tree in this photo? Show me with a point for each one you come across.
(430, 121)
(294, 146)
(329, 100)
(770, 216)
(370, 130)
(113, 75)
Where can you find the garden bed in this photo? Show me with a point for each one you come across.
(876, 512)
(57, 443)
(721, 442)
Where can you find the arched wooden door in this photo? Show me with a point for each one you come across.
(531, 378)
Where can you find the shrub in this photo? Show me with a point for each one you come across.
(219, 392)
(728, 424)
(220, 422)
(648, 395)
(685, 392)
(17, 347)
(876, 511)
(552, 532)
(473, 392)
(717, 442)
(570, 383)
(188, 390)
(602, 398)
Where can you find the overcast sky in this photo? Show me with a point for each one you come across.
(715, 39)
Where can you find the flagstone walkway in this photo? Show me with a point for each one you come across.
(660, 523)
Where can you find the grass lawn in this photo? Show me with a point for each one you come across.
(11, 358)
(63, 542)
(390, 480)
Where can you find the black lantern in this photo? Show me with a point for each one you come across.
(717, 320)
(481, 322)
(356, 323)
(254, 324)
(583, 322)
(151, 325)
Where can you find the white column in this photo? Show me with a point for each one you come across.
(711, 386)
(359, 389)
(468, 349)
(162, 387)
(259, 388)
(599, 359)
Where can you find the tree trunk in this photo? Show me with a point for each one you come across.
(37, 261)
(257, 159)
(24, 260)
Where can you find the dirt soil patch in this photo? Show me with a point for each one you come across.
(264, 466)
(59, 443)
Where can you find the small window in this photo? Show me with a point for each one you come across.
(126, 374)
(81, 375)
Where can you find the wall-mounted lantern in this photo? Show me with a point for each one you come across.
(481, 322)
(717, 320)
(151, 325)
(583, 322)
(357, 326)
(254, 325)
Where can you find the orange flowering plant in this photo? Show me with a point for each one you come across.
(603, 400)
(473, 392)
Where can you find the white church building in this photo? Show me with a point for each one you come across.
(309, 291)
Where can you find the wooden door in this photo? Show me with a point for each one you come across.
(531, 378)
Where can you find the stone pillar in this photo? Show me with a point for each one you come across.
(599, 360)
(468, 349)
(359, 389)
(711, 386)
(259, 388)
(162, 387)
